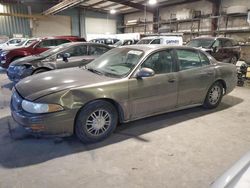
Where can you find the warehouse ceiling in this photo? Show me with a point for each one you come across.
(120, 6)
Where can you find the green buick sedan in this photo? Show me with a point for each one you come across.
(122, 85)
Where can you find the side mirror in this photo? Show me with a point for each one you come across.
(145, 72)
(65, 57)
(215, 49)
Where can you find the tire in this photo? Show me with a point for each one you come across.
(37, 71)
(234, 60)
(214, 96)
(90, 123)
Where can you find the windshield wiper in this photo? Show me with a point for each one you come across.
(94, 71)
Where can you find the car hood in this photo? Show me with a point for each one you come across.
(27, 59)
(34, 87)
(10, 47)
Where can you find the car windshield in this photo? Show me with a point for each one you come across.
(204, 43)
(53, 51)
(118, 62)
(145, 41)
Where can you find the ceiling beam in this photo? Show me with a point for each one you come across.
(98, 3)
(133, 5)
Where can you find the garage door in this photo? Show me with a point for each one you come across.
(52, 26)
(100, 26)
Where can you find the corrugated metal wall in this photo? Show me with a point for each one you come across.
(14, 25)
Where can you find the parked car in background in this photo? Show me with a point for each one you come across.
(107, 41)
(165, 40)
(38, 47)
(11, 42)
(64, 56)
(122, 85)
(24, 43)
(222, 49)
(125, 42)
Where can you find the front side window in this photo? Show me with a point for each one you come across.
(118, 62)
(156, 41)
(161, 62)
(217, 44)
(97, 50)
(188, 59)
(204, 59)
(77, 51)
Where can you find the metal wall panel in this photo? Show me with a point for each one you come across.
(10, 25)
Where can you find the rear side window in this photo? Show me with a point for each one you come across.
(156, 41)
(188, 59)
(97, 50)
(52, 43)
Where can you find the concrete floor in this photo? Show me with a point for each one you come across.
(189, 148)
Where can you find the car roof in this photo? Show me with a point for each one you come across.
(156, 37)
(152, 47)
(213, 38)
(85, 43)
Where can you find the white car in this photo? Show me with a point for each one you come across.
(11, 42)
(24, 43)
(165, 40)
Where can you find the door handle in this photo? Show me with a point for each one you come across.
(171, 80)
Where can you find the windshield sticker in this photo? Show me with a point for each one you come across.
(134, 52)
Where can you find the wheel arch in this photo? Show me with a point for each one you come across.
(223, 84)
(111, 101)
(47, 68)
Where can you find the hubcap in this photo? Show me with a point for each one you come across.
(98, 122)
(234, 60)
(214, 95)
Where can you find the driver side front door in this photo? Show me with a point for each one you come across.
(156, 94)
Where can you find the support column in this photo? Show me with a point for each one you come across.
(156, 19)
(216, 4)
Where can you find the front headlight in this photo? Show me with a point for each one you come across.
(40, 108)
(4, 53)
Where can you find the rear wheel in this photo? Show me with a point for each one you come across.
(214, 96)
(234, 60)
(96, 121)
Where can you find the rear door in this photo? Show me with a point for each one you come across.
(158, 93)
(196, 74)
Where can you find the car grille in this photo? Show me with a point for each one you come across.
(16, 101)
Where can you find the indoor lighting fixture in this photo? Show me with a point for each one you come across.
(112, 11)
(1, 8)
(152, 2)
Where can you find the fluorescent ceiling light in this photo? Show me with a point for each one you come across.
(112, 11)
(152, 2)
(1, 8)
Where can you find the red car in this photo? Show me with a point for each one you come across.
(6, 57)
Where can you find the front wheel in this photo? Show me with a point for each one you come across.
(214, 96)
(96, 121)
